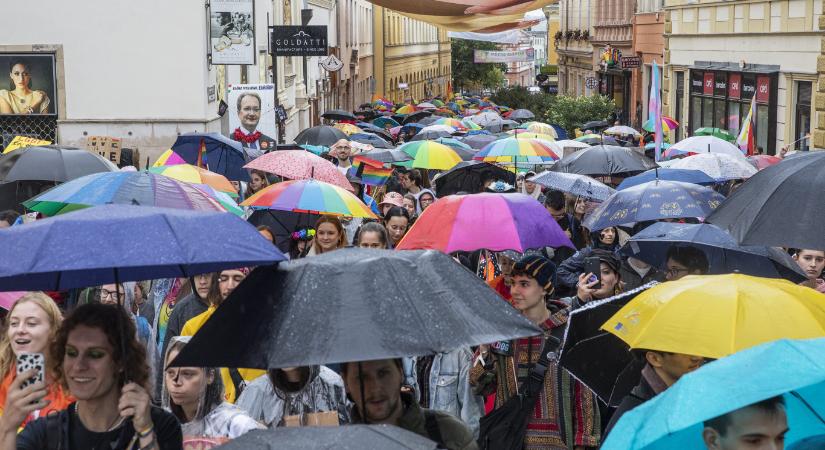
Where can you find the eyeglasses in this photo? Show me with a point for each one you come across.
(104, 294)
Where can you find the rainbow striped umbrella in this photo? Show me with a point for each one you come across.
(431, 155)
(470, 125)
(169, 158)
(668, 123)
(198, 175)
(450, 122)
(406, 109)
(348, 128)
(223, 198)
(540, 127)
(130, 188)
(521, 134)
(309, 196)
(531, 151)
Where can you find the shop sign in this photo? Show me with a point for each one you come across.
(748, 86)
(707, 87)
(735, 86)
(696, 82)
(720, 87)
(591, 83)
(763, 85)
(502, 56)
(610, 56)
(631, 62)
(299, 40)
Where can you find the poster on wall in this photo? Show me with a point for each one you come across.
(252, 117)
(232, 32)
(27, 84)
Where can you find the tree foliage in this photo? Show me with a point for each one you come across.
(468, 75)
(568, 112)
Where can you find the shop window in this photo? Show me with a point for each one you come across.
(680, 98)
(696, 115)
(707, 113)
(802, 123)
(762, 126)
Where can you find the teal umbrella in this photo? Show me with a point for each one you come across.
(454, 143)
(673, 419)
(317, 149)
(383, 121)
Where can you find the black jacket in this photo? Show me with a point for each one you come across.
(632, 280)
(640, 394)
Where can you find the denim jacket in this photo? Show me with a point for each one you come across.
(450, 389)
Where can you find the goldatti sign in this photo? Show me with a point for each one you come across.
(294, 40)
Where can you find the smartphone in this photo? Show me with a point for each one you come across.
(593, 265)
(27, 361)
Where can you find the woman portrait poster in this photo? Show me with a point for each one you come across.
(27, 84)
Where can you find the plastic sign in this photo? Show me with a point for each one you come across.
(296, 40)
(331, 63)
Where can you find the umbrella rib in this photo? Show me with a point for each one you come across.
(416, 314)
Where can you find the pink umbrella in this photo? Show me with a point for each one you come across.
(7, 299)
(300, 165)
(395, 130)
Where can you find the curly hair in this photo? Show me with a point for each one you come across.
(7, 356)
(128, 353)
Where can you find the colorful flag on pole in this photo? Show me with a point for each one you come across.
(369, 173)
(654, 106)
(202, 155)
(746, 141)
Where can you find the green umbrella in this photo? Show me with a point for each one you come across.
(716, 132)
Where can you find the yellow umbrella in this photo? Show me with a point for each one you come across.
(521, 134)
(540, 127)
(198, 175)
(718, 315)
(348, 128)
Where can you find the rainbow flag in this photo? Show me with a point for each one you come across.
(745, 140)
(654, 106)
(370, 174)
(202, 156)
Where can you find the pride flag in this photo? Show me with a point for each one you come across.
(370, 174)
(202, 156)
(745, 141)
(654, 106)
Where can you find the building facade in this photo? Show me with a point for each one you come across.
(721, 55)
(612, 40)
(411, 57)
(649, 46)
(818, 134)
(574, 47)
(522, 73)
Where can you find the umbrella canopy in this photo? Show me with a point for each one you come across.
(578, 185)
(168, 158)
(668, 123)
(371, 139)
(484, 221)
(603, 160)
(469, 177)
(716, 132)
(434, 127)
(283, 224)
(315, 149)
(724, 254)
(353, 305)
(406, 109)
(366, 126)
(193, 174)
(674, 419)
(541, 128)
(348, 128)
(478, 141)
(384, 121)
(124, 188)
(598, 139)
(622, 130)
(790, 194)
(470, 125)
(300, 165)
(431, 155)
(380, 157)
(764, 161)
(429, 120)
(487, 119)
(669, 174)
(522, 134)
(654, 200)
(229, 203)
(309, 196)
(216, 152)
(426, 105)
(718, 166)
(454, 143)
(106, 243)
(704, 144)
(7, 299)
(595, 125)
(51, 163)
(416, 116)
(453, 123)
(717, 315)
(569, 143)
(320, 135)
(521, 114)
(338, 114)
(430, 135)
(350, 437)
(532, 151)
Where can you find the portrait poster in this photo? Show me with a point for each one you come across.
(232, 32)
(27, 84)
(246, 120)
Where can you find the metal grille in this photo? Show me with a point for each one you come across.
(38, 126)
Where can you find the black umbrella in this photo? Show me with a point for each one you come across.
(349, 437)
(478, 141)
(469, 176)
(779, 206)
(14, 193)
(320, 135)
(51, 163)
(371, 139)
(430, 135)
(428, 120)
(597, 358)
(282, 224)
(338, 114)
(353, 305)
(521, 114)
(416, 116)
(594, 125)
(387, 156)
(600, 140)
(603, 160)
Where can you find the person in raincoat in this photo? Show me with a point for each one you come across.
(302, 394)
(425, 198)
(195, 396)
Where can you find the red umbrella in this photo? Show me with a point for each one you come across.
(763, 161)
(300, 165)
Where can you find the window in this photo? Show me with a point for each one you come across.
(802, 123)
(679, 104)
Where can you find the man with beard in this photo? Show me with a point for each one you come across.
(249, 114)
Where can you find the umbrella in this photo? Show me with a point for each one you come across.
(193, 174)
(764, 161)
(229, 204)
(416, 116)
(338, 114)
(724, 254)
(315, 149)
(430, 120)
(569, 143)
(622, 130)
(522, 134)
(437, 128)
(704, 144)
(652, 146)
(716, 132)
(309, 196)
(426, 105)
(215, 152)
(594, 125)
(487, 119)
(453, 123)
(283, 224)
(112, 243)
(718, 166)
(598, 359)
(455, 144)
(717, 315)
(431, 155)
(371, 139)
(348, 128)
(381, 157)
(572, 183)
(484, 221)
(350, 437)
(668, 174)
(654, 200)
(7, 299)
(383, 121)
(368, 127)
(469, 177)
(353, 305)
(470, 125)
(478, 141)
(168, 158)
(320, 135)
(300, 165)
(522, 114)
(674, 419)
(668, 123)
(406, 109)
(540, 127)
(779, 206)
(603, 160)
(531, 151)
(125, 188)
(430, 135)
(597, 139)
(51, 163)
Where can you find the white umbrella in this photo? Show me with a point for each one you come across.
(426, 105)
(444, 128)
(706, 144)
(569, 143)
(622, 130)
(486, 118)
(718, 166)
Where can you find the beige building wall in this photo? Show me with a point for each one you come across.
(818, 134)
(576, 54)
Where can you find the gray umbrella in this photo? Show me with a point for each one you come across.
(338, 114)
(430, 135)
(521, 114)
(478, 141)
(353, 305)
(320, 135)
(572, 183)
(51, 163)
(349, 437)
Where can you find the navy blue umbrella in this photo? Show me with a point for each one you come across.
(368, 126)
(654, 200)
(223, 155)
(115, 243)
(684, 175)
(724, 254)
(371, 139)
(573, 183)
